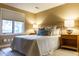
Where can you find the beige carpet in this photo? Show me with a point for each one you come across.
(58, 52)
(64, 52)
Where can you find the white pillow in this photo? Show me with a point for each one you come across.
(55, 32)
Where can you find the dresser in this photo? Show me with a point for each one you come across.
(70, 42)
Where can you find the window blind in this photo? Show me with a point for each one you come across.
(11, 15)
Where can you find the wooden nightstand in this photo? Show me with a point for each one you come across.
(70, 42)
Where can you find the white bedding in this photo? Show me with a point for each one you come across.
(35, 37)
(48, 45)
(45, 43)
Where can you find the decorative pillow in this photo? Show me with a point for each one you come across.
(43, 32)
(55, 31)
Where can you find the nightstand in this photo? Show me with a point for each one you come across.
(69, 42)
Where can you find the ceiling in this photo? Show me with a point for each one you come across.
(34, 7)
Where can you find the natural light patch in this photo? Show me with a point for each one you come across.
(6, 26)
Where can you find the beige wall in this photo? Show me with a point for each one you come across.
(57, 15)
(28, 22)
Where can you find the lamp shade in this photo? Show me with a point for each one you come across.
(69, 23)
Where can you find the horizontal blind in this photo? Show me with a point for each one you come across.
(12, 15)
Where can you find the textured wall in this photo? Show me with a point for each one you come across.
(57, 15)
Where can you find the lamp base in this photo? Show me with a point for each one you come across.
(69, 32)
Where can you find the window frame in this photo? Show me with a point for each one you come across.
(23, 26)
(14, 26)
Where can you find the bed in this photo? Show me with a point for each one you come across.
(34, 45)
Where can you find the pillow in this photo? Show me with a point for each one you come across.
(55, 32)
(43, 32)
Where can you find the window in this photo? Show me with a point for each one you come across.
(9, 26)
(6, 26)
(18, 27)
